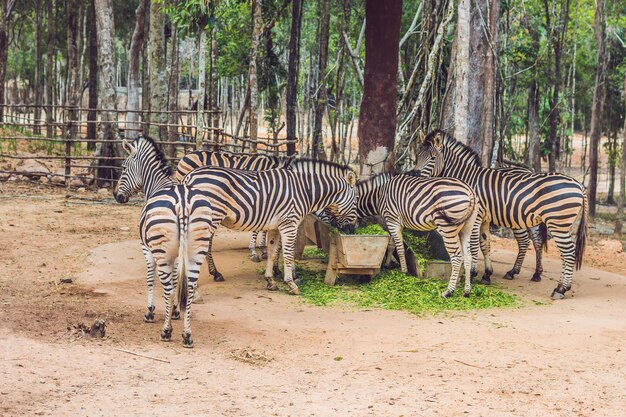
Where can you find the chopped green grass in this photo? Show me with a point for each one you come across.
(393, 290)
(313, 252)
(371, 229)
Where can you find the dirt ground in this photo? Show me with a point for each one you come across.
(259, 353)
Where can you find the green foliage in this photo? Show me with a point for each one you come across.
(371, 229)
(313, 252)
(393, 290)
(234, 27)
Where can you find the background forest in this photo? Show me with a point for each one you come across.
(354, 81)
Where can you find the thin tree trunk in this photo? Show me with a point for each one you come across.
(622, 181)
(292, 77)
(461, 67)
(534, 142)
(214, 103)
(320, 95)
(133, 126)
(172, 104)
(92, 128)
(377, 121)
(252, 74)
(599, 94)
(158, 72)
(107, 95)
(201, 89)
(50, 68)
(5, 25)
(38, 78)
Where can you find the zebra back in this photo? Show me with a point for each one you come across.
(202, 158)
(367, 192)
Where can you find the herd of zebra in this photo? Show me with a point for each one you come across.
(449, 191)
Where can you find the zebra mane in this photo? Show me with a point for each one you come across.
(376, 180)
(459, 149)
(317, 165)
(159, 155)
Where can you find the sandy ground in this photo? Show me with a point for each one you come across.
(269, 354)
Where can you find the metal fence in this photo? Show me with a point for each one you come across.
(61, 145)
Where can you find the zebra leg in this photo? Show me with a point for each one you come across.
(175, 310)
(217, 277)
(521, 235)
(485, 247)
(451, 240)
(466, 235)
(254, 257)
(288, 240)
(165, 276)
(262, 244)
(395, 230)
(538, 243)
(272, 253)
(277, 271)
(474, 246)
(563, 239)
(151, 265)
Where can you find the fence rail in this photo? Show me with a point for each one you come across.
(58, 150)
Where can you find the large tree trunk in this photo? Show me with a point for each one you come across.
(622, 180)
(107, 99)
(50, 69)
(133, 126)
(292, 78)
(213, 100)
(377, 121)
(201, 89)
(597, 109)
(158, 73)
(252, 73)
(5, 23)
(172, 105)
(320, 96)
(461, 71)
(72, 12)
(92, 116)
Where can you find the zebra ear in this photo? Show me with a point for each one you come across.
(437, 141)
(351, 178)
(128, 147)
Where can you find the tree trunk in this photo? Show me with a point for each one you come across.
(106, 95)
(213, 101)
(172, 89)
(622, 181)
(597, 108)
(73, 11)
(5, 25)
(377, 121)
(158, 72)
(534, 142)
(201, 89)
(461, 70)
(50, 69)
(38, 84)
(92, 116)
(252, 73)
(320, 95)
(292, 77)
(133, 127)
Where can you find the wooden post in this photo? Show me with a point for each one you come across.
(331, 271)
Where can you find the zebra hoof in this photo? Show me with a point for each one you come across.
(559, 292)
(272, 286)
(446, 294)
(255, 258)
(187, 340)
(218, 277)
(166, 335)
(485, 280)
(509, 275)
(294, 291)
(176, 314)
(466, 294)
(149, 316)
(536, 277)
(264, 255)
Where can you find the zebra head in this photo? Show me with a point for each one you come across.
(430, 157)
(145, 169)
(335, 188)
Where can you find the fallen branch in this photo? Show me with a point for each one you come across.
(469, 364)
(142, 355)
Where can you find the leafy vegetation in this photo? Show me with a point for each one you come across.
(393, 290)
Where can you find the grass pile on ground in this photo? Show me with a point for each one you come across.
(371, 229)
(313, 252)
(393, 290)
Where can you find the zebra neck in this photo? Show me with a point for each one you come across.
(462, 170)
(155, 183)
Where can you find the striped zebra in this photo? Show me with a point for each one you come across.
(204, 158)
(175, 220)
(514, 199)
(443, 204)
(276, 201)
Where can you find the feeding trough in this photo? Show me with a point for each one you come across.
(438, 266)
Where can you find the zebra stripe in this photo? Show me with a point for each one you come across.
(175, 220)
(513, 198)
(443, 204)
(276, 201)
(202, 158)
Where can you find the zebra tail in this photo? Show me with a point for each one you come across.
(543, 235)
(581, 233)
(182, 287)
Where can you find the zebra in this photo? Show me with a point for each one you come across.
(514, 199)
(276, 201)
(175, 220)
(204, 158)
(443, 204)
